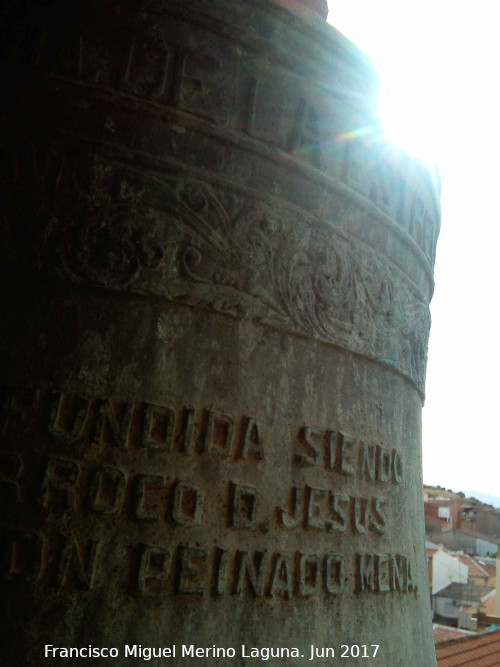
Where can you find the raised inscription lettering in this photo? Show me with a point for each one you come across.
(23, 555)
(244, 505)
(159, 422)
(129, 458)
(107, 490)
(187, 578)
(348, 456)
(145, 484)
(154, 563)
(250, 569)
(78, 560)
(67, 414)
(57, 489)
(187, 503)
(252, 441)
(309, 574)
(285, 116)
(74, 562)
(112, 424)
(326, 510)
(218, 437)
(384, 573)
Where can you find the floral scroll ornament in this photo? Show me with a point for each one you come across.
(277, 266)
(207, 246)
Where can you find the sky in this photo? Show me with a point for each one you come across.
(439, 63)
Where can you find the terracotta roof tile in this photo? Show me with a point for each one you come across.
(488, 567)
(480, 651)
(475, 569)
(442, 633)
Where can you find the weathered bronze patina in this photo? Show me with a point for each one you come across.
(217, 280)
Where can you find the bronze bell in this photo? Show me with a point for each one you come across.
(217, 276)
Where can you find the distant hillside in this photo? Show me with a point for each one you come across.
(469, 497)
(485, 498)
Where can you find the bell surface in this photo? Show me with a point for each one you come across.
(217, 277)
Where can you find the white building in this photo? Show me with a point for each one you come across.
(446, 569)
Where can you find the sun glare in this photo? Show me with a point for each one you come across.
(437, 61)
(408, 121)
(410, 68)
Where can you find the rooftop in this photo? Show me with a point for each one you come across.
(444, 632)
(469, 533)
(476, 568)
(465, 592)
(479, 651)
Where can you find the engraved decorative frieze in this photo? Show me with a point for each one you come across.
(206, 246)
